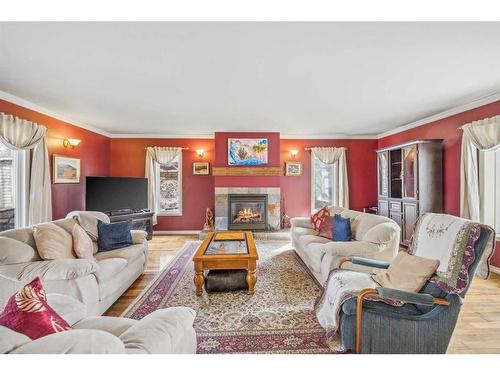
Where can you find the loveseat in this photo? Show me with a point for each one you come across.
(374, 237)
(96, 283)
(165, 331)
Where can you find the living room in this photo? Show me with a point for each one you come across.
(249, 188)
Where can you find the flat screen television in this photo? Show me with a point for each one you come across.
(107, 194)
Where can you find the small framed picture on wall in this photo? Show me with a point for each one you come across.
(66, 170)
(201, 168)
(293, 168)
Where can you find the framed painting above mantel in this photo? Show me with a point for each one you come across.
(247, 151)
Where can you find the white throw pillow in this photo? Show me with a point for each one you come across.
(53, 242)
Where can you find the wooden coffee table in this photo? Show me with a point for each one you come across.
(226, 251)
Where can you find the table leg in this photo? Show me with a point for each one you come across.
(251, 280)
(198, 282)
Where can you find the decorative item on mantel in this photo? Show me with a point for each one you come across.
(209, 225)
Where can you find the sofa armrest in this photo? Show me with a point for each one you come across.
(49, 270)
(365, 262)
(303, 222)
(410, 297)
(138, 236)
(84, 341)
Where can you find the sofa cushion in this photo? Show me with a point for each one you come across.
(407, 272)
(354, 248)
(162, 331)
(11, 340)
(341, 228)
(380, 233)
(129, 253)
(362, 223)
(24, 235)
(308, 239)
(69, 308)
(327, 228)
(109, 268)
(318, 218)
(29, 313)
(114, 325)
(53, 242)
(13, 251)
(114, 235)
(82, 243)
(60, 269)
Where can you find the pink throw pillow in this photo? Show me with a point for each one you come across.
(327, 228)
(28, 312)
(318, 218)
(82, 243)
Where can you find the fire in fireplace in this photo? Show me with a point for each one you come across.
(247, 211)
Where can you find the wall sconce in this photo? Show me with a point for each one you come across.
(294, 153)
(71, 142)
(200, 153)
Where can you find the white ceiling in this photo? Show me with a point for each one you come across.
(297, 78)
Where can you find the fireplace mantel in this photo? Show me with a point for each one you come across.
(247, 171)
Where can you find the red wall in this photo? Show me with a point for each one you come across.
(93, 153)
(128, 160)
(361, 169)
(447, 129)
(247, 181)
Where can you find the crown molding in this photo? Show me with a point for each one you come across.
(155, 135)
(327, 136)
(493, 97)
(35, 107)
(488, 99)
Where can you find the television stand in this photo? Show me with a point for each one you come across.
(140, 220)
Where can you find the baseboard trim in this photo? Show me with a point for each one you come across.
(495, 270)
(163, 232)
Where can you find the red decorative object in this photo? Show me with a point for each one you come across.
(28, 312)
(318, 218)
(327, 228)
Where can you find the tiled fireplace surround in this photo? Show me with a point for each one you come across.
(273, 204)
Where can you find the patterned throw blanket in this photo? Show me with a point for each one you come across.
(451, 240)
(340, 286)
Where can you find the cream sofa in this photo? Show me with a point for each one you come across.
(164, 331)
(374, 237)
(96, 283)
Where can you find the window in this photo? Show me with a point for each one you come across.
(322, 183)
(170, 187)
(489, 188)
(13, 188)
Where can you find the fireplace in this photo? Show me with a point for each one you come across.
(247, 212)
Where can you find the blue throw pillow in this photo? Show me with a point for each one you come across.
(114, 236)
(341, 228)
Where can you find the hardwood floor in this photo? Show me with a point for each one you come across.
(477, 330)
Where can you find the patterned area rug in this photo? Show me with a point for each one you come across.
(278, 318)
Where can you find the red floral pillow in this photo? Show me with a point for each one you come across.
(28, 312)
(318, 218)
(327, 228)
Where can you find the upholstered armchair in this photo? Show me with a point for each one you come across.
(426, 320)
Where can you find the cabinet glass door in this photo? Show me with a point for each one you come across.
(383, 174)
(410, 171)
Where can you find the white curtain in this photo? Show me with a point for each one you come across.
(483, 135)
(332, 155)
(19, 134)
(155, 156)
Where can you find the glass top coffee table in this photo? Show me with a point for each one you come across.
(226, 251)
